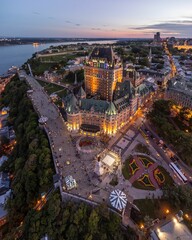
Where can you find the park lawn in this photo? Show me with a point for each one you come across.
(147, 162)
(126, 171)
(142, 148)
(62, 93)
(140, 185)
(50, 87)
(42, 83)
(114, 181)
(154, 208)
(41, 68)
(56, 58)
(168, 178)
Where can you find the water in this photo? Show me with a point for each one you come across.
(16, 55)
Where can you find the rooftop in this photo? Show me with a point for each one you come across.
(94, 105)
(103, 53)
(172, 230)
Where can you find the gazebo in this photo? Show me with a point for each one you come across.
(43, 120)
(118, 199)
(70, 182)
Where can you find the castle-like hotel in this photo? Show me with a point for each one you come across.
(111, 96)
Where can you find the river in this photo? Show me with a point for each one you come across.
(16, 55)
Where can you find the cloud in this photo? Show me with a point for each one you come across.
(77, 24)
(68, 21)
(37, 13)
(95, 29)
(182, 27)
(51, 17)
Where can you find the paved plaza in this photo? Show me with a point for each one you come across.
(69, 160)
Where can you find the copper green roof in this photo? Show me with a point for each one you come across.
(111, 110)
(94, 105)
(81, 93)
(72, 104)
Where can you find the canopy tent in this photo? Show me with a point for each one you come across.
(108, 160)
(43, 119)
(118, 199)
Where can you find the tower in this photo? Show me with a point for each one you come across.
(150, 56)
(111, 120)
(102, 72)
(75, 82)
(73, 114)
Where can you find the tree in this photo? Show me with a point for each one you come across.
(93, 222)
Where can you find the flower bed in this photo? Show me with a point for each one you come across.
(159, 177)
(133, 166)
(146, 162)
(146, 180)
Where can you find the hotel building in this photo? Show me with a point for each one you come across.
(109, 99)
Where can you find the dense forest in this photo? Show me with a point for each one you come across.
(31, 167)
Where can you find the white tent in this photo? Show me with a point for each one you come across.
(118, 199)
(43, 119)
(108, 160)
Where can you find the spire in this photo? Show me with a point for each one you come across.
(72, 105)
(150, 55)
(75, 82)
(81, 93)
(111, 110)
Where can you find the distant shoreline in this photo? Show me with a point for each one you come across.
(24, 41)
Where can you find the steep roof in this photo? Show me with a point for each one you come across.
(111, 110)
(95, 105)
(142, 89)
(72, 104)
(104, 53)
(81, 93)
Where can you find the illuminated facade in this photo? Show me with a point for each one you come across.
(102, 72)
(180, 91)
(108, 101)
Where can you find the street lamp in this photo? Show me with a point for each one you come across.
(167, 211)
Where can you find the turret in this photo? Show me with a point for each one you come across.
(111, 120)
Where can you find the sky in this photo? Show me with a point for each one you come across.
(95, 18)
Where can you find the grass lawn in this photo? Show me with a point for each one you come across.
(154, 208)
(53, 58)
(142, 149)
(50, 87)
(168, 178)
(62, 93)
(146, 161)
(126, 171)
(140, 185)
(40, 68)
(114, 181)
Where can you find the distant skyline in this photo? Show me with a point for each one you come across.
(101, 18)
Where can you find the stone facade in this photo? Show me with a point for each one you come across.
(109, 101)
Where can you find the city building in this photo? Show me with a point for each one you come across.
(109, 100)
(157, 38)
(180, 91)
(172, 229)
(103, 71)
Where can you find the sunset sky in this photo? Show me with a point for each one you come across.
(95, 18)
